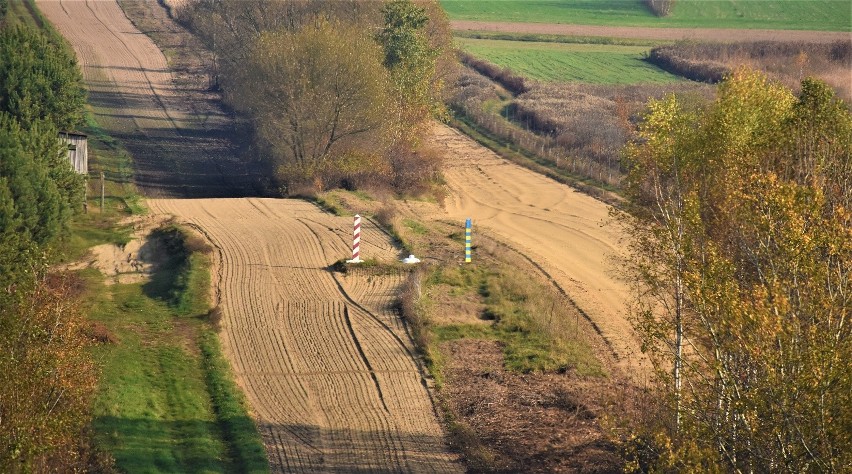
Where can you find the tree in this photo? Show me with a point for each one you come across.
(412, 58)
(742, 264)
(39, 79)
(317, 97)
(47, 378)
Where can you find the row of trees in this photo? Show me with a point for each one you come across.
(742, 260)
(337, 93)
(46, 376)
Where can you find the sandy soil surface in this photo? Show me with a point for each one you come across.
(636, 32)
(323, 358)
(567, 233)
(177, 151)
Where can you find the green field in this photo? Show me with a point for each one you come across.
(558, 62)
(826, 15)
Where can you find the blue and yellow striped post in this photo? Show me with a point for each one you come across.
(467, 241)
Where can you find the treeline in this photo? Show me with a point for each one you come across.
(578, 128)
(46, 375)
(789, 62)
(337, 93)
(742, 256)
(504, 76)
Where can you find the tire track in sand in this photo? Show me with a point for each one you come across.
(329, 374)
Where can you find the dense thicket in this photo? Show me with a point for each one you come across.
(337, 93)
(743, 259)
(46, 377)
(789, 62)
(504, 76)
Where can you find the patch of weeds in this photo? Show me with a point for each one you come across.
(415, 227)
(88, 230)
(529, 319)
(462, 278)
(330, 204)
(362, 195)
(369, 266)
(184, 280)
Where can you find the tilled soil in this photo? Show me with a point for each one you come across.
(323, 358)
(178, 150)
(636, 32)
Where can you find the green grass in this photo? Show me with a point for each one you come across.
(239, 431)
(824, 15)
(414, 226)
(527, 320)
(153, 412)
(560, 62)
(19, 13)
(167, 401)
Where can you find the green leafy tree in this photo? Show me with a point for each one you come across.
(317, 98)
(412, 60)
(742, 263)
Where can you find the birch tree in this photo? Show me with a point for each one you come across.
(742, 268)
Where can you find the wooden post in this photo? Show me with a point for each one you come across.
(102, 192)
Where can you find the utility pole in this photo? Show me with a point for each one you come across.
(102, 192)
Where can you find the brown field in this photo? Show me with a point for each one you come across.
(324, 359)
(635, 32)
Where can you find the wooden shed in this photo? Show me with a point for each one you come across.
(78, 152)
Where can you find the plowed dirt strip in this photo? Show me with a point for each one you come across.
(638, 32)
(563, 231)
(324, 360)
(135, 99)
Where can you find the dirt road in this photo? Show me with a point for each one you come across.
(636, 32)
(564, 231)
(324, 359)
(176, 151)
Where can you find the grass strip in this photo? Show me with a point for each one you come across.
(246, 450)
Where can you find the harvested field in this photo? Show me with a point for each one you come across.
(669, 34)
(323, 358)
(178, 150)
(562, 231)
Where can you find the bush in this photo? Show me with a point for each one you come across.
(660, 7)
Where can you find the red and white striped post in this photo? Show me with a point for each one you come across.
(356, 241)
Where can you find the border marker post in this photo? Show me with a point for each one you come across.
(467, 230)
(356, 241)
